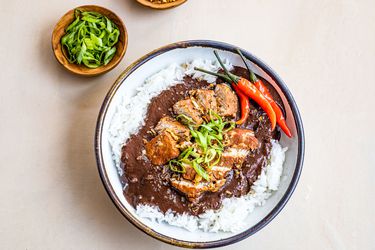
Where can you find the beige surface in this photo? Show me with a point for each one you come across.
(51, 195)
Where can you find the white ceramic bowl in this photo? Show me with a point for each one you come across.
(126, 85)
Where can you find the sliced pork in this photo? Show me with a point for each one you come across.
(162, 148)
(227, 101)
(194, 190)
(188, 109)
(204, 100)
(241, 139)
(179, 131)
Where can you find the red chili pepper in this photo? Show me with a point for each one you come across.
(279, 113)
(245, 104)
(263, 89)
(247, 88)
(251, 91)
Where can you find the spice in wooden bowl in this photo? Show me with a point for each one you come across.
(161, 4)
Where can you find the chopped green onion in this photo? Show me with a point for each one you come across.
(90, 39)
(177, 166)
(200, 171)
(194, 153)
(210, 156)
(186, 153)
(208, 137)
(185, 119)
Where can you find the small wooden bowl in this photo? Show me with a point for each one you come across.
(59, 32)
(160, 6)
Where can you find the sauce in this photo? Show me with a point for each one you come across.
(149, 184)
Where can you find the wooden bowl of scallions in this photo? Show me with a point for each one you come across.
(89, 40)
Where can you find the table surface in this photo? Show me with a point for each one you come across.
(51, 193)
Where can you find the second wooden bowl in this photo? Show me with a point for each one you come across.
(59, 32)
(161, 6)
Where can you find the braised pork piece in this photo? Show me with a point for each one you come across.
(166, 135)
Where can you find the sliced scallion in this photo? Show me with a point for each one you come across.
(90, 39)
(208, 139)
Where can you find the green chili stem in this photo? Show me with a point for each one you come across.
(252, 76)
(222, 76)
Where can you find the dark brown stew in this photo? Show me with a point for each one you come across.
(149, 184)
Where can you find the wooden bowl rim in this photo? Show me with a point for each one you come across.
(161, 6)
(78, 69)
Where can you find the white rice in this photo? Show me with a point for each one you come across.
(129, 117)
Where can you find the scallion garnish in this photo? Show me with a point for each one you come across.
(207, 148)
(90, 39)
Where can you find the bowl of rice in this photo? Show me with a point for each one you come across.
(122, 114)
